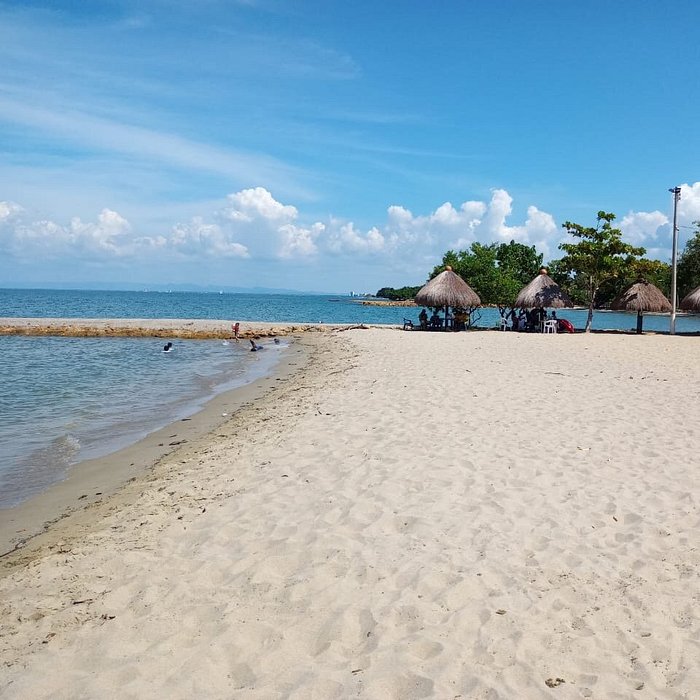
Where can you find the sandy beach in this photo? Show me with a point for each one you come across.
(407, 515)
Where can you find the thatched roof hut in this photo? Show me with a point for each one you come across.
(691, 301)
(542, 293)
(640, 297)
(447, 289)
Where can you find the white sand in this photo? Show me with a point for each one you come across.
(415, 515)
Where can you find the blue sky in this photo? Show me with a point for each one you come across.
(334, 146)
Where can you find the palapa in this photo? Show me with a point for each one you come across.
(447, 289)
(691, 301)
(640, 297)
(543, 292)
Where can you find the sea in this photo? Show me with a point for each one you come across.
(65, 400)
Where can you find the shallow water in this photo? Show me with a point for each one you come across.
(65, 400)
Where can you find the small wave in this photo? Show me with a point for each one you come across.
(38, 470)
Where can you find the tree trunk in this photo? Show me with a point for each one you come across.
(592, 291)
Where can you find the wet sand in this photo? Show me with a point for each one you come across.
(90, 482)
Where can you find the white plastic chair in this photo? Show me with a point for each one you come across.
(550, 326)
(504, 324)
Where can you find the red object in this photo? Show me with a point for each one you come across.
(564, 326)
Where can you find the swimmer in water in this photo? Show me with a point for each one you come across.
(167, 347)
(254, 347)
(277, 341)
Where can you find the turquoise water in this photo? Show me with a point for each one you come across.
(281, 308)
(64, 400)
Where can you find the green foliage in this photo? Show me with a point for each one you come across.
(688, 270)
(520, 261)
(400, 294)
(599, 255)
(496, 272)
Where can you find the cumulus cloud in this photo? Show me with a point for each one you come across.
(457, 227)
(345, 238)
(24, 238)
(653, 229)
(644, 227)
(252, 225)
(689, 205)
(257, 203)
(199, 238)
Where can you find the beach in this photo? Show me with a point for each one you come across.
(403, 515)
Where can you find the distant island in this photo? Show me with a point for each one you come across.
(400, 294)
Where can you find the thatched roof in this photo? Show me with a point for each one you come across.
(447, 289)
(542, 292)
(642, 296)
(691, 302)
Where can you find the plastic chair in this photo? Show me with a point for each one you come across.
(550, 326)
(504, 324)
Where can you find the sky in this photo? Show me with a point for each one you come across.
(334, 146)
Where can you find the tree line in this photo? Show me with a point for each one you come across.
(595, 268)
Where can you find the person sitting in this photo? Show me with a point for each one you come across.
(423, 318)
(255, 347)
(435, 321)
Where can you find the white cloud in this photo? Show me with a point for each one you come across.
(257, 203)
(199, 238)
(345, 238)
(299, 242)
(689, 205)
(23, 238)
(639, 228)
(252, 226)
(8, 210)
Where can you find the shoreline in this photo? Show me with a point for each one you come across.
(91, 482)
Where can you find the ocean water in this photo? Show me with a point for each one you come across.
(282, 308)
(64, 400)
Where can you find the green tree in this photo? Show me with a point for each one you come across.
(476, 266)
(654, 271)
(571, 282)
(400, 294)
(689, 264)
(599, 255)
(496, 272)
(519, 261)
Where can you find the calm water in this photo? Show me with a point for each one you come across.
(267, 307)
(64, 400)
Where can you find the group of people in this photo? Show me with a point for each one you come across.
(456, 321)
(530, 319)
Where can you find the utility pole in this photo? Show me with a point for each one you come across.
(676, 196)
